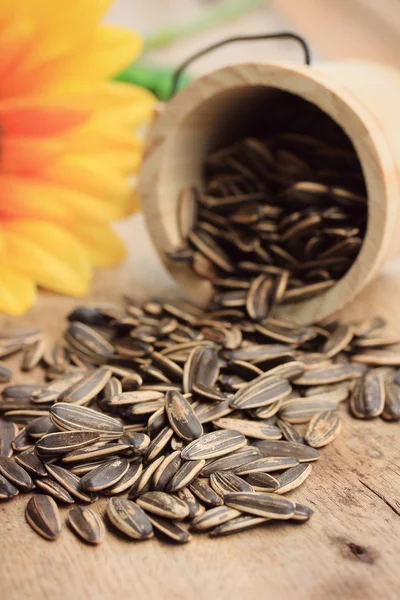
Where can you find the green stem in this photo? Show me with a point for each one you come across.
(230, 9)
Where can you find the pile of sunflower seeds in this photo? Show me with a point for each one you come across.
(186, 420)
(285, 216)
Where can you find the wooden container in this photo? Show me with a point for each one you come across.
(361, 97)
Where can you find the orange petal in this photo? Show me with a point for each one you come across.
(39, 117)
(25, 156)
(29, 199)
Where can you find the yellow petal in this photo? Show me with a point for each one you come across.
(73, 23)
(24, 198)
(90, 176)
(108, 51)
(50, 255)
(17, 292)
(105, 95)
(103, 245)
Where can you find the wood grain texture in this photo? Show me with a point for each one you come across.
(354, 489)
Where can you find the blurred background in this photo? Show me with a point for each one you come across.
(334, 28)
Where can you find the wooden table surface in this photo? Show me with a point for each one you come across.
(350, 548)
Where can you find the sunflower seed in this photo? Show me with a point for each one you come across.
(8, 432)
(71, 417)
(293, 478)
(391, 410)
(55, 444)
(267, 465)
(182, 417)
(289, 432)
(86, 524)
(225, 482)
(42, 515)
(269, 506)
(367, 400)
(301, 410)
(164, 505)
(7, 489)
(323, 429)
(29, 461)
(186, 473)
(281, 449)
(143, 484)
(252, 429)
(201, 367)
(5, 373)
(263, 482)
(170, 529)
(213, 517)
(232, 461)
(89, 453)
(69, 481)
(16, 474)
(237, 525)
(339, 339)
(129, 518)
(213, 445)
(83, 391)
(54, 489)
(105, 475)
(261, 391)
(302, 512)
(167, 469)
(128, 480)
(33, 354)
(195, 508)
(204, 492)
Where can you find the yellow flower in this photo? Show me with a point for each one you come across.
(66, 145)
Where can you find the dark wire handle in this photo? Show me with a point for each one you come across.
(283, 35)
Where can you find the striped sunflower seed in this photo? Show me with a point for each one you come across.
(16, 474)
(129, 518)
(367, 399)
(86, 524)
(105, 475)
(54, 489)
(263, 482)
(269, 506)
(323, 429)
(164, 505)
(287, 449)
(170, 529)
(83, 391)
(231, 461)
(186, 473)
(201, 367)
(224, 483)
(302, 512)
(237, 525)
(71, 417)
(128, 480)
(267, 465)
(213, 517)
(391, 410)
(43, 516)
(8, 432)
(213, 445)
(29, 461)
(293, 478)
(7, 489)
(56, 444)
(195, 508)
(252, 429)
(69, 481)
(167, 469)
(204, 492)
(182, 417)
